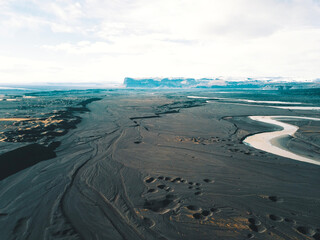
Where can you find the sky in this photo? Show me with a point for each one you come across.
(87, 41)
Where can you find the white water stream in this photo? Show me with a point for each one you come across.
(267, 141)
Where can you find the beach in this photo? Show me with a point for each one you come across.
(162, 165)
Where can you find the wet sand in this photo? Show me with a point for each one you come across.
(163, 166)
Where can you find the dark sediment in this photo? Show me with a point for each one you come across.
(56, 124)
(189, 178)
(21, 158)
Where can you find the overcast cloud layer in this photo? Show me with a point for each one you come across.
(105, 41)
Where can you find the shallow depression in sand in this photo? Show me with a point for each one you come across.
(267, 141)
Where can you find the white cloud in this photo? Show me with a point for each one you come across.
(95, 40)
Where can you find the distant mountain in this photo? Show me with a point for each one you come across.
(277, 83)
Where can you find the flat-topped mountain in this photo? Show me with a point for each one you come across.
(264, 83)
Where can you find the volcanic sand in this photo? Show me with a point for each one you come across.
(162, 166)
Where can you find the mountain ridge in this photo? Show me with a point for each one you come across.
(262, 83)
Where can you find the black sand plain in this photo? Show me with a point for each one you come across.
(159, 165)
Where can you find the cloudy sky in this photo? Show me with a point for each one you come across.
(107, 40)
